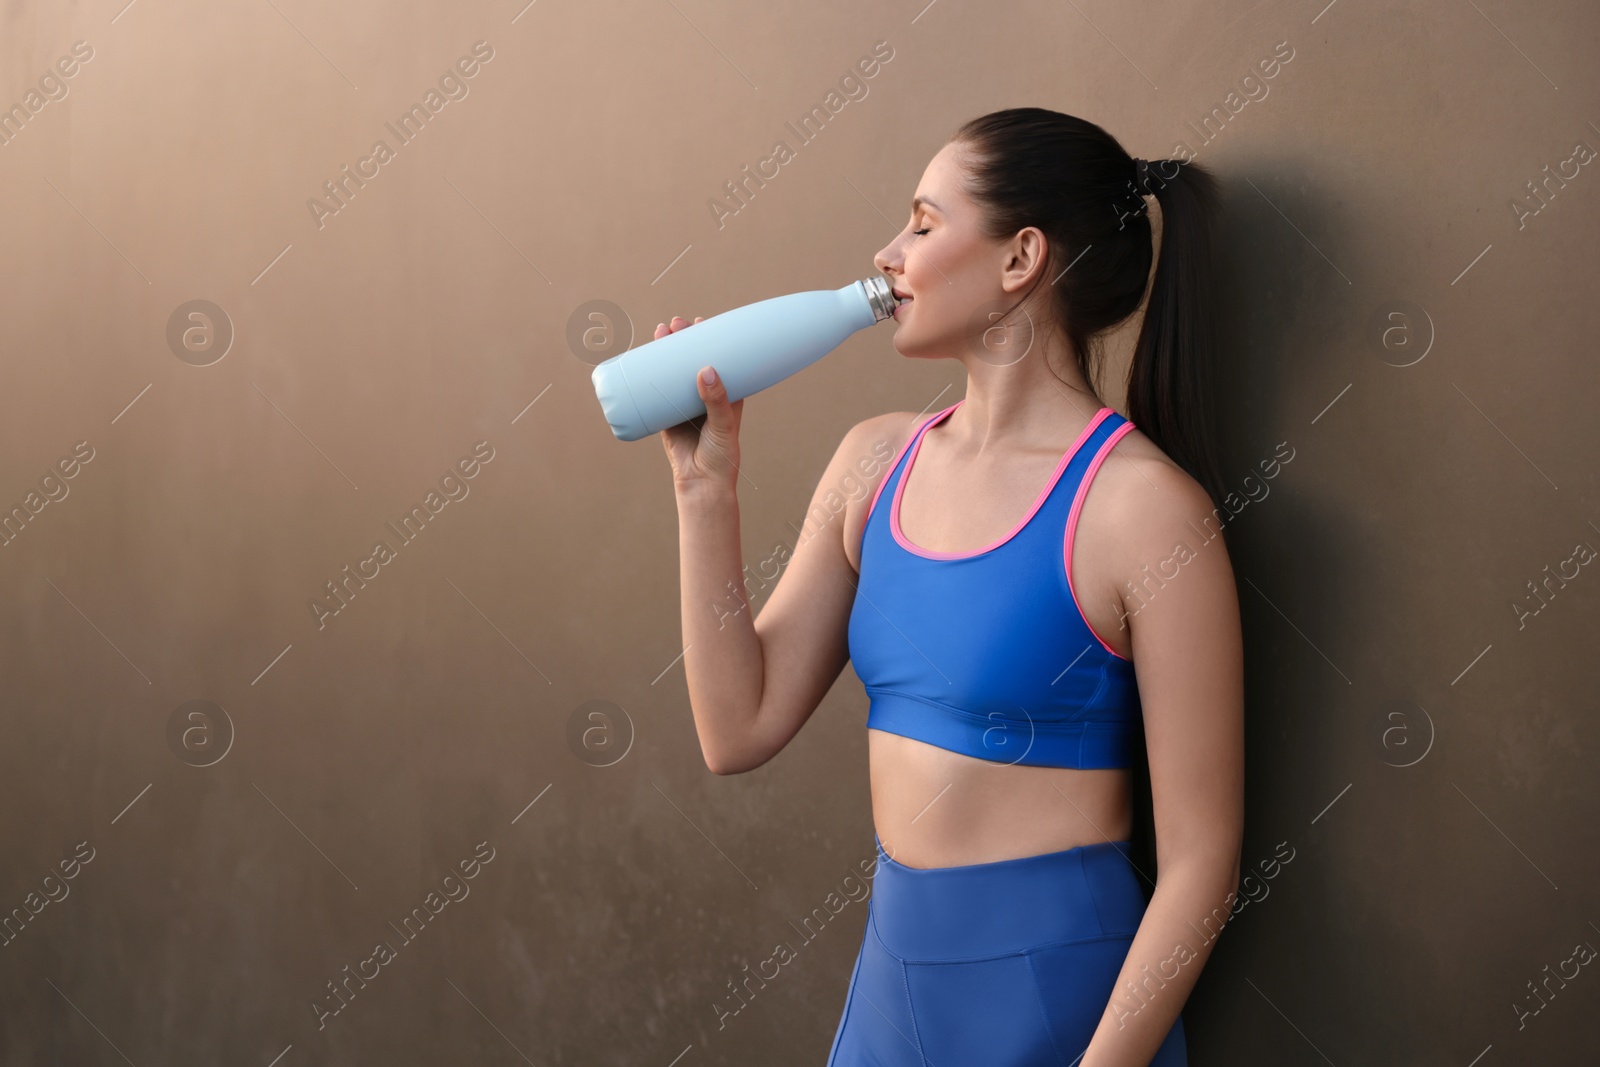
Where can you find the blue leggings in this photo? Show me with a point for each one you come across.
(1005, 964)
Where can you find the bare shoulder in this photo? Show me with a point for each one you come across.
(1147, 474)
(1151, 507)
(879, 436)
(1144, 520)
(1145, 490)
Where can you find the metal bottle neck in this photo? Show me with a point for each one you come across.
(879, 296)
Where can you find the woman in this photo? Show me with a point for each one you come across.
(1042, 611)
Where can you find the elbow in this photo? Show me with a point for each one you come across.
(1216, 871)
(721, 766)
(733, 752)
(1225, 872)
(726, 763)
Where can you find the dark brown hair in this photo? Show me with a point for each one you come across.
(1029, 166)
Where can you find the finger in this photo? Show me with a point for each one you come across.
(661, 329)
(714, 394)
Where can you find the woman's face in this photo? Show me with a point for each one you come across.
(951, 271)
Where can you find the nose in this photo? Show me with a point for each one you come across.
(888, 258)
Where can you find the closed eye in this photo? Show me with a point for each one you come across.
(919, 233)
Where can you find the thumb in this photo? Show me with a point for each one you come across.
(714, 394)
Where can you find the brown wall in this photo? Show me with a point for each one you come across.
(351, 765)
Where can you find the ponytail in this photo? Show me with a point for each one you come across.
(1169, 383)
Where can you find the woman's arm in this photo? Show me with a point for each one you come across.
(754, 680)
(1188, 659)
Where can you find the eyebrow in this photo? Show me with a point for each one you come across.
(916, 200)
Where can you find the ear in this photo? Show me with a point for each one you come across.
(1024, 258)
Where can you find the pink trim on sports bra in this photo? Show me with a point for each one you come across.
(1072, 526)
(893, 463)
(899, 490)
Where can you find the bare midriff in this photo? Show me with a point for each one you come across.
(936, 808)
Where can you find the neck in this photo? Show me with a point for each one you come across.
(1024, 402)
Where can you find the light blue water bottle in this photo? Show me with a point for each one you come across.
(646, 389)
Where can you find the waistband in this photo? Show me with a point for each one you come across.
(1001, 908)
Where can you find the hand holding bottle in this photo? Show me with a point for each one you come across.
(704, 452)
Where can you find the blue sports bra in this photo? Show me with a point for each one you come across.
(987, 653)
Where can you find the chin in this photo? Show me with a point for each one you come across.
(913, 347)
